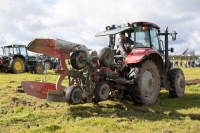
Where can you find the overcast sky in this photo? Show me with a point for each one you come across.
(79, 21)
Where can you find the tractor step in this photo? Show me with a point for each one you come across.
(56, 96)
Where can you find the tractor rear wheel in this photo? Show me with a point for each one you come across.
(18, 65)
(101, 91)
(147, 84)
(106, 57)
(76, 59)
(177, 81)
(39, 68)
(73, 94)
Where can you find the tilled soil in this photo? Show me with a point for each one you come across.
(193, 82)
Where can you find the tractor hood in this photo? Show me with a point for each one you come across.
(114, 31)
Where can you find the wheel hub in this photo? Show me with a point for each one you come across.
(18, 65)
(76, 95)
(147, 83)
(180, 82)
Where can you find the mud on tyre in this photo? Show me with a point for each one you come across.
(106, 57)
(76, 59)
(39, 68)
(101, 91)
(147, 84)
(73, 94)
(177, 82)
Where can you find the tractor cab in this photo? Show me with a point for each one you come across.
(145, 35)
(14, 50)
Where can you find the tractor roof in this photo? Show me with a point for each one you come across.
(117, 28)
(13, 45)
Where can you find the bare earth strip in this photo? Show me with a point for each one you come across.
(193, 82)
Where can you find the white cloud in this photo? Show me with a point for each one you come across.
(79, 21)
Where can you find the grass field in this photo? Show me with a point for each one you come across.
(22, 113)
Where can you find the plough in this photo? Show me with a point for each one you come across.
(87, 79)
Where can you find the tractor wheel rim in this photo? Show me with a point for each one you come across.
(147, 84)
(47, 65)
(76, 96)
(180, 82)
(104, 93)
(18, 65)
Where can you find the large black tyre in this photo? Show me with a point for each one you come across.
(101, 91)
(47, 65)
(177, 82)
(76, 59)
(39, 68)
(18, 65)
(147, 84)
(73, 94)
(106, 57)
(58, 66)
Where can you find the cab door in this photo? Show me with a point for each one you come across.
(156, 42)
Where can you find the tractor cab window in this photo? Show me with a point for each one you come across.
(6, 51)
(154, 40)
(1, 51)
(23, 51)
(142, 37)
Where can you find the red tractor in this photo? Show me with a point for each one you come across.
(147, 64)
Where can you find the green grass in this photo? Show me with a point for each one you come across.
(22, 113)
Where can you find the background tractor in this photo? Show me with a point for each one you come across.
(49, 62)
(15, 59)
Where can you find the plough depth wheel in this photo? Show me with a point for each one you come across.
(76, 59)
(106, 57)
(101, 91)
(73, 94)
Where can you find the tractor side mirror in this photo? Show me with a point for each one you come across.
(172, 50)
(173, 34)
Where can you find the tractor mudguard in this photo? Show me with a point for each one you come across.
(139, 54)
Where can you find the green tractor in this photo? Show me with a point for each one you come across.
(15, 59)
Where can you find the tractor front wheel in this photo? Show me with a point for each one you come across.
(177, 81)
(73, 94)
(18, 65)
(147, 84)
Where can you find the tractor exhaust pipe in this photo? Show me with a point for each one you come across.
(166, 50)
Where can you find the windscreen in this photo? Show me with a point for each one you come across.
(141, 37)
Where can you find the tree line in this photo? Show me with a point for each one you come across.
(180, 57)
